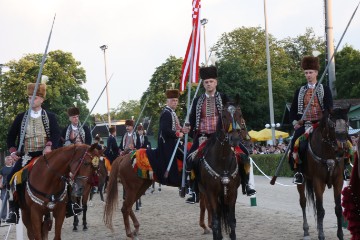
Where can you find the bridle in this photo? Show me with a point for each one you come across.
(52, 199)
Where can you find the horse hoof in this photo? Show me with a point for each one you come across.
(206, 231)
(85, 229)
(75, 229)
(306, 238)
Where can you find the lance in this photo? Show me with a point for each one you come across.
(137, 121)
(273, 180)
(147, 128)
(107, 82)
(21, 140)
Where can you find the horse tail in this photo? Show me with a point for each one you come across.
(224, 214)
(112, 194)
(310, 195)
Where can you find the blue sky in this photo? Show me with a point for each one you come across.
(141, 34)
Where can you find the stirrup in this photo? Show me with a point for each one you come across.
(249, 191)
(13, 218)
(298, 178)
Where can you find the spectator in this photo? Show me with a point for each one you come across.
(4, 172)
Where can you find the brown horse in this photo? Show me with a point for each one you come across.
(46, 188)
(203, 202)
(134, 187)
(83, 186)
(323, 167)
(219, 171)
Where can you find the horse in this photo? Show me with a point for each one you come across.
(46, 188)
(84, 184)
(324, 166)
(218, 171)
(203, 201)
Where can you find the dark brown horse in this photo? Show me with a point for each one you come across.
(84, 184)
(219, 172)
(46, 188)
(203, 199)
(323, 167)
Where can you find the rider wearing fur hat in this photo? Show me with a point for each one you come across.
(322, 101)
(40, 136)
(204, 117)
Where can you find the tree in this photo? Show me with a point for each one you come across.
(127, 110)
(348, 73)
(65, 79)
(243, 69)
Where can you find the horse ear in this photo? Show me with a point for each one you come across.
(93, 146)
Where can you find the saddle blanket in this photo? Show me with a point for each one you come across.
(21, 176)
(142, 167)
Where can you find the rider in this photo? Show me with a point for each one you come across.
(128, 141)
(322, 101)
(169, 133)
(112, 149)
(204, 116)
(142, 140)
(73, 134)
(40, 136)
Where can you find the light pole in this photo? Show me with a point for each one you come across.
(104, 47)
(203, 22)
(273, 126)
(271, 101)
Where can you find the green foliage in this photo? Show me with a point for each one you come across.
(268, 164)
(127, 110)
(65, 79)
(348, 73)
(162, 79)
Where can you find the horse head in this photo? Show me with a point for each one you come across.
(232, 122)
(336, 122)
(88, 165)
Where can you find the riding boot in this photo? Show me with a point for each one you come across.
(298, 177)
(13, 212)
(245, 177)
(195, 193)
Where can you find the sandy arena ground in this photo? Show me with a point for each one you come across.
(164, 215)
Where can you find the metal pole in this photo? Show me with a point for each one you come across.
(271, 101)
(330, 46)
(104, 47)
(203, 22)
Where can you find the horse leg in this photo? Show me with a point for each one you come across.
(101, 187)
(36, 223)
(84, 217)
(202, 214)
(59, 216)
(302, 200)
(75, 223)
(126, 212)
(232, 222)
(216, 226)
(320, 211)
(135, 222)
(338, 211)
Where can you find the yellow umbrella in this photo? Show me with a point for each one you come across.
(253, 135)
(266, 134)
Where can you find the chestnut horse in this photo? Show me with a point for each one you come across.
(46, 188)
(84, 184)
(323, 167)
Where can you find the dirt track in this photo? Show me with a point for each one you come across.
(165, 215)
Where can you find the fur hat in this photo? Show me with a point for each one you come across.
(139, 128)
(97, 137)
(208, 72)
(73, 111)
(112, 129)
(129, 122)
(172, 93)
(41, 91)
(310, 63)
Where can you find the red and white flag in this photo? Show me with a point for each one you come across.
(192, 56)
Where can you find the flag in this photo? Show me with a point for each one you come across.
(192, 55)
